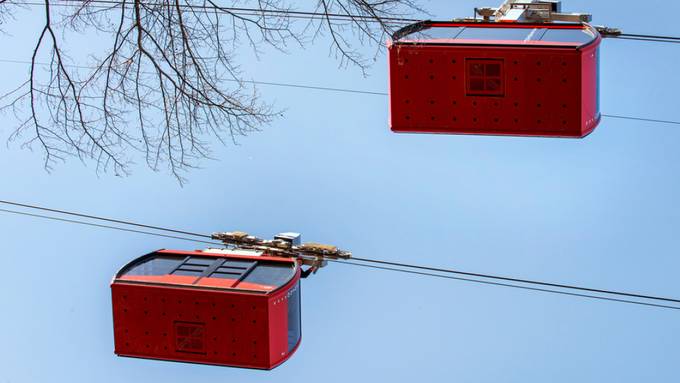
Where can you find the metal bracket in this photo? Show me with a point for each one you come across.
(608, 32)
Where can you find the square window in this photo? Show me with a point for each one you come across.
(484, 77)
(190, 337)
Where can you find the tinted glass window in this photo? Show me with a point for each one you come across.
(157, 265)
(438, 33)
(272, 274)
(232, 269)
(580, 36)
(200, 261)
(294, 317)
(494, 33)
(234, 263)
(194, 273)
(195, 266)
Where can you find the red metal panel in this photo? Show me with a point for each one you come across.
(543, 90)
(235, 325)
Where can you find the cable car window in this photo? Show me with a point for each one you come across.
(580, 36)
(204, 261)
(519, 34)
(156, 265)
(294, 317)
(484, 77)
(232, 269)
(195, 266)
(272, 274)
(236, 263)
(439, 33)
(193, 273)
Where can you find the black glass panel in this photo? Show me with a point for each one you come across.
(294, 317)
(437, 33)
(200, 261)
(237, 263)
(194, 273)
(580, 36)
(196, 266)
(157, 265)
(272, 274)
(519, 34)
(225, 275)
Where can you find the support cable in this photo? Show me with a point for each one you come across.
(106, 226)
(552, 291)
(240, 11)
(130, 223)
(518, 280)
(110, 4)
(290, 13)
(654, 38)
(375, 263)
(344, 90)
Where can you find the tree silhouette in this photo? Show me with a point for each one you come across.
(164, 84)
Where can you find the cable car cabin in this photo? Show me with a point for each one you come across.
(497, 78)
(225, 307)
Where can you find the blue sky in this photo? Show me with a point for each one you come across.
(598, 212)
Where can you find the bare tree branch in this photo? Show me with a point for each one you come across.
(167, 84)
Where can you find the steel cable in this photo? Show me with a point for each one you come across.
(509, 285)
(385, 265)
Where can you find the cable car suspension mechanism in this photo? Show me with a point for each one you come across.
(286, 245)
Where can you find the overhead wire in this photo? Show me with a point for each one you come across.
(343, 90)
(97, 218)
(239, 11)
(642, 119)
(650, 40)
(290, 13)
(488, 279)
(106, 226)
(654, 38)
(518, 280)
(552, 291)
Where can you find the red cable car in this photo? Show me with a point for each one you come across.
(500, 77)
(232, 307)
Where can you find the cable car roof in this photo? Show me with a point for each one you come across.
(245, 271)
(568, 35)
